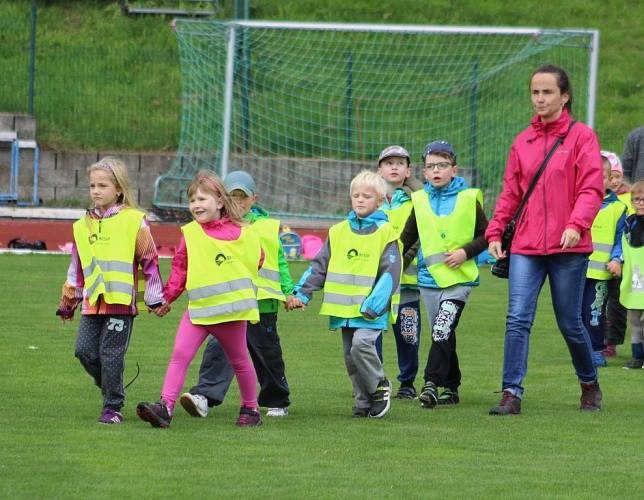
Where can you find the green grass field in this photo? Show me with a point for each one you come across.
(52, 446)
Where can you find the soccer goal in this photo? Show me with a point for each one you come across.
(305, 106)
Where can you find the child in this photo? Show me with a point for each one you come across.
(615, 312)
(111, 241)
(632, 288)
(217, 263)
(215, 373)
(359, 268)
(394, 167)
(449, 221)
(603, 264)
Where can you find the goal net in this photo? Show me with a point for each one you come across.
(304, 106)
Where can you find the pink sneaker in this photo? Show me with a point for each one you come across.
(610, 351)
(248, 417)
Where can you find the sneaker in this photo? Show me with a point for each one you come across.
(360, 412)
(195, 404)
(156, 414)
(381, 399)
(509, 405)
(406, 392)
(429, 395)
(110, 416)
(598, 359)
(448, 397)
(610, 351)
(634, 364)
(277, 412)
(591, 397)
(248, 417)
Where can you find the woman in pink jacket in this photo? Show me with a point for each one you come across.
(552, 236)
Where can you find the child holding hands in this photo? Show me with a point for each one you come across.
(217, 263)
(111, 241)
(359, 268)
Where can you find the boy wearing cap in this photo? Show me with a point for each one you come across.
(275, 284)
(394, 168)
(615, 328)
(449, 221)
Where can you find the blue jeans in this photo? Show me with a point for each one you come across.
(567, 275)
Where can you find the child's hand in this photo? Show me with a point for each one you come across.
(294, 303)
(614, 267)
(65, 315)
(456, 258)
(161, 311)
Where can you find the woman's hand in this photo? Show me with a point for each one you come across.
(495, 250)
(570, 238)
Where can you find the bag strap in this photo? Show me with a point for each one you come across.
(542, 167)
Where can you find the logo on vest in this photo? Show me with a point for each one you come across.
(221, 258)
(353, 253)
(93, 238)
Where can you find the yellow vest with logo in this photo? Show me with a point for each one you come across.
(268, 282)
(398, 218)
(440, 234)
(603, 235)
(106, 249)
(631, 290)
(354, 263)
(221, 276)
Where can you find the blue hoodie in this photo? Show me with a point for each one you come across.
(387, 278)
(442, 200)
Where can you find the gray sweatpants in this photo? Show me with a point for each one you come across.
(363, 364)
(100, 347)
(636, 320)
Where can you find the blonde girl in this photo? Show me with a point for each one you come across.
(216, 263)
(111, 242)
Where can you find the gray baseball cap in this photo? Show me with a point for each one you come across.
(394, 151)
(240, 179)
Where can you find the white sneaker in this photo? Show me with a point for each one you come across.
(277, 412)
(195, 404)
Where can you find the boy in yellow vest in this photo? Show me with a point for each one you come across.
(394, 167)
(276, 284)
(359, 268)
(449, 221)
(615, 331)
(632, 271)
(603, 265)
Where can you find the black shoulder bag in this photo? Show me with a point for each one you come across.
(501, 268)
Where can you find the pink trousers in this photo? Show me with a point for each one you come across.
(231, 336)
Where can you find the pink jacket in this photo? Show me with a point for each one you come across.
(568, 194)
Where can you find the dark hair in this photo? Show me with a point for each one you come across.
(563, 82)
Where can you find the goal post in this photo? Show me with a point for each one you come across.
(304, 106)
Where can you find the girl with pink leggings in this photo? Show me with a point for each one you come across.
(216, 263)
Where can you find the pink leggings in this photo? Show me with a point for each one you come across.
(231, 336)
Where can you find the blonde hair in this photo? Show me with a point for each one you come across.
(209, 182)
(637, 187)
(118, 171)
(371, 180)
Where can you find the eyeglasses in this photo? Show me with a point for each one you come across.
(637, 200)
(443, 165)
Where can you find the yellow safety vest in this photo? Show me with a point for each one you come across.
(603, 235)
(268, 282)
(221, 276)
(354, 263)
(625, 198)
(440, 234)
(398, 218)
(631, 290)
(106, 249)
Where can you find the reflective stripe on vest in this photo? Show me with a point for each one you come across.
(221, 276)
(269, 282)
(398, 218)
(441, 234)
(106, 249)
(603, 236)
(354, 264)
(631, 290)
